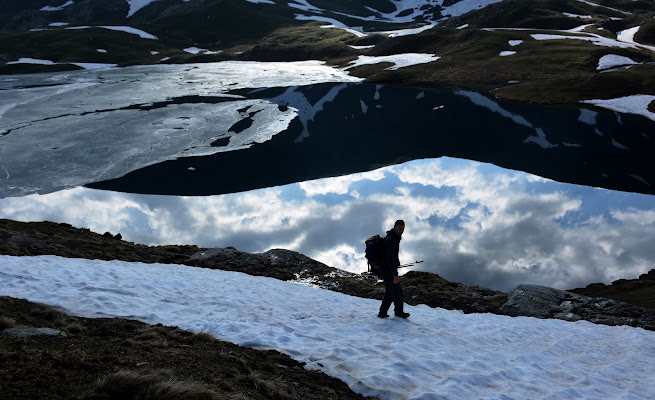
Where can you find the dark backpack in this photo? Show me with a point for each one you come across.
(375, 254)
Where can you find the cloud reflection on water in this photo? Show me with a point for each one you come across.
(471, 222)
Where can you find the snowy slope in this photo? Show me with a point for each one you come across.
(435, 354)
(136, 5)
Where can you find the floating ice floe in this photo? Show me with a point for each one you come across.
(612, 60)
(399, 60)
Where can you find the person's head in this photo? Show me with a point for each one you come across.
(399, 227)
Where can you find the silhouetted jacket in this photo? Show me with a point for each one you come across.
(391, 248)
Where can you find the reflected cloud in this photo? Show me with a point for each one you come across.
(471, 222)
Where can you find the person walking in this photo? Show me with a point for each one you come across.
(393, 292)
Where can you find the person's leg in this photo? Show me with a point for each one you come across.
(398, 300)
(387, 299)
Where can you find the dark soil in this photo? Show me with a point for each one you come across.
(123, 359)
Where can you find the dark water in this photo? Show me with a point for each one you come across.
(348, 128)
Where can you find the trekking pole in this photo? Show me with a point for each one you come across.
(410, 264)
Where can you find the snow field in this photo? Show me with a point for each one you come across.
(612, 60)
(435, 354)
(636, 104)
(399, 60)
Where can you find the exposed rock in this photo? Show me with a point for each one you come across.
(639, 292)
(26, 332)
(277, 263)
(544, 302)
(650, 276)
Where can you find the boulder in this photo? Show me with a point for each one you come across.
(26, 332)
(544, 302)
(541, 302)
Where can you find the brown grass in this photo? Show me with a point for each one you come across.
(107, 358)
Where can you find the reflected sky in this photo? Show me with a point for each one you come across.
(470, 222)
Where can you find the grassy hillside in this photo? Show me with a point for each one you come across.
(544, 71)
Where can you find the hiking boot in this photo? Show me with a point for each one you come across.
(380, 315)
(402, 314)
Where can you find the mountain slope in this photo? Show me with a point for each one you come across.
(497, 44)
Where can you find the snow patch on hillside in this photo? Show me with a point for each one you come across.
(612, 60)
(399, 60)
(58, 8)
(595, 39)
(407, 11)
(637, 104)
(126, 29)
(628, 35)
(435, 354)
(136, 5)
(465, 6)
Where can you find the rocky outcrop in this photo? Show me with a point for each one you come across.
(639, 292)
(277, 263)
(544, 302)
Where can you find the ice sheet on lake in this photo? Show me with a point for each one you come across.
(70, 129)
